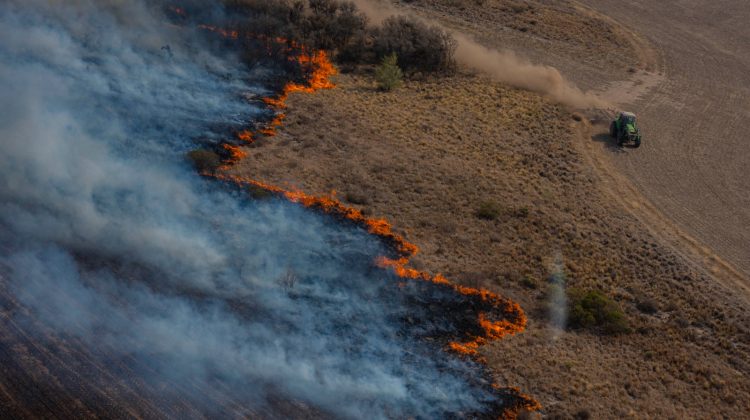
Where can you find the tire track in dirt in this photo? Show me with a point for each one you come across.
(694, 166)
(626, 194)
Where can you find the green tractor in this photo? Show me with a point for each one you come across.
(625, 131)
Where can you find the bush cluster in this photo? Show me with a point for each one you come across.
(339, 27)
(319, 24)
(594, 310)
(488, 210)
(419, 47)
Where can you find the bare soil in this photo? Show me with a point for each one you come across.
(695, 163)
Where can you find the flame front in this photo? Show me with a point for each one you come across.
(320, 70)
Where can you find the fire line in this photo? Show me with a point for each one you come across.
(321, 71)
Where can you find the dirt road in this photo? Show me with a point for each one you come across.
(695, 163)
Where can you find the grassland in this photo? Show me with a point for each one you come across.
(492, 184)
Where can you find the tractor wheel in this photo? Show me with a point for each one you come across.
(612, 129)
(621, 141)
(637, 143)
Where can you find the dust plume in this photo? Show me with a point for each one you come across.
(503, 66)
(377, 10)
(507, 67)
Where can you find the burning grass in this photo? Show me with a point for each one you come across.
(495, 317)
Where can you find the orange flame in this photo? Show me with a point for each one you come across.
(515, 319)
(246, 136)
(321, 70)
(493, 330)
(223, 32)
(235, 152)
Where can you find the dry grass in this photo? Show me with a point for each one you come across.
(429, 155)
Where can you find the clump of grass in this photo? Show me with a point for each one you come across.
(204, 160)
(521, 212)
(388, 74)
(647, 306)
(595, 310)
(529, 282)
(488, 210)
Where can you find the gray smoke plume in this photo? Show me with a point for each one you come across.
(113, 245)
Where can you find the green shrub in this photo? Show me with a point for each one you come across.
(594, 310)
(489, 210)
(204, 160)
(388, 74)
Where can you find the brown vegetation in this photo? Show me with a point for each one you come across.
(428, 155)
(340, 28)
(491, 184)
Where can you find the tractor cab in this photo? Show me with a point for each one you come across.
(625, 130)
(627, 118)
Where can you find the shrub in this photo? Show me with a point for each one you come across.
(647, 306)
(318, 24)
(419, 47)
(595, 310)
(340, 28)
(488, 210)
(204, 160)
(332, 25)
(521, 212)
(388, 74)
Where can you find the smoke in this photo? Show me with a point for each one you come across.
(113, 246)
(503, 66)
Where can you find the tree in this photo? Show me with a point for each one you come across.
(388, 74)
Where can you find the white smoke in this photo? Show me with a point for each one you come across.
(113, 240)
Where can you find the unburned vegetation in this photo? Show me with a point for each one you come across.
(340, 28)
(594, 310)
(489, 183)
